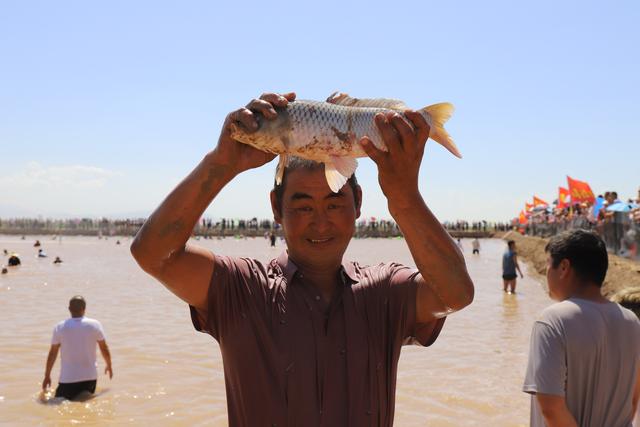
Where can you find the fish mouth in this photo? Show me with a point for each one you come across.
(320, 241)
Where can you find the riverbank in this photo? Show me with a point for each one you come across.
(622, 273)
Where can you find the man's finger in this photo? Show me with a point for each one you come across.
(406, 132)
(245, 118)
(275, 99)
(291, 96)
(263, 107)
(388, 133)
(419, 123)
(372, 151)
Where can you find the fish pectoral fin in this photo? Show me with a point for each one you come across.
(282, 163)
(347, 101)
(345, 165)
(334, 178)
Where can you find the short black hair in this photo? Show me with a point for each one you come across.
(77, 304)
(295, 163)
(586, 252)
(511, 243)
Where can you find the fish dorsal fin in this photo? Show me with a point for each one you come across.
(282, 163)
(347, 101)
(334, 178)
(345, 165)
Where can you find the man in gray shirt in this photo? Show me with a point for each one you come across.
(584, 352)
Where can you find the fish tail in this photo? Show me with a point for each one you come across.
(438, 114)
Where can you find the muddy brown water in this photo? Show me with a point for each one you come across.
(165, 373)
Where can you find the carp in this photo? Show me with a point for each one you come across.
(328, 132)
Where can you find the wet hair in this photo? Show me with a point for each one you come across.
(585, 251)
(77, 304)
(511, 243)
(296, 163)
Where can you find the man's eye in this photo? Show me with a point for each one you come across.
(304, 209)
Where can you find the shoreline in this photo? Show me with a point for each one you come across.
(622, 273)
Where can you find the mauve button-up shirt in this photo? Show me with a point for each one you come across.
(292, 359)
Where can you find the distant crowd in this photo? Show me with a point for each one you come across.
(208, 227)
(616, 220)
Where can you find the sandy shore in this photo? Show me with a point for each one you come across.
(622, 273)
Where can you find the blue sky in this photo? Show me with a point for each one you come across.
(106, 106)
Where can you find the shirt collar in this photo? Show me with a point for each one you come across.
(289, 269)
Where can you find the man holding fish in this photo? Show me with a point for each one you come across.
(310, 339)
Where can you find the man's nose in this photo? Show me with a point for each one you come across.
(321, 221)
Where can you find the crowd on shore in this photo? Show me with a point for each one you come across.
(208, 227)
(617, 221)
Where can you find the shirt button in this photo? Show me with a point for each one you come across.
(343, 352)
(317, 297)
(368, 412)
(282, 321)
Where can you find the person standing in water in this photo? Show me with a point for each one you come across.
(509, 267)
(77, 337)
(475, 244)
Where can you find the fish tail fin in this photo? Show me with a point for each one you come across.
(437, 115)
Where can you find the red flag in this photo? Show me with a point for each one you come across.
(523, 218)
(564, 197)
(528, 207)
(539, 202)
(580, 191)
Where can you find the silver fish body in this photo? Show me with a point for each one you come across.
(329, 133)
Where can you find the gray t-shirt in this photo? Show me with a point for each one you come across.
(587, 352)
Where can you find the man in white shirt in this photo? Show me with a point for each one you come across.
(77, 336)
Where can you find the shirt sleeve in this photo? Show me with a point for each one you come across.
(235, 291)
(546, 369)
(55, 338)
(99, 332)
(403, 291)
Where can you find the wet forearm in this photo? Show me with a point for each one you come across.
(169, 227)
(51, 360)
(106, 355)
(437, 257)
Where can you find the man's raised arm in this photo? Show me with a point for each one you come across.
(160, 247)
(445, 286)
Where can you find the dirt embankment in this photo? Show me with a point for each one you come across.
(622, 273)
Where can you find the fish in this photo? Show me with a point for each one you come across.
(328, 132)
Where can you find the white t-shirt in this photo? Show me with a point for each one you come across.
(78, 337)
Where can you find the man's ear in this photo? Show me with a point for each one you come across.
(358, 200)
(277, 214)
(565, 267)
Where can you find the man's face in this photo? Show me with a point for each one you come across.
(317, 223)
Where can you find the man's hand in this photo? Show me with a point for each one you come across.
(398, 168)
(241, 156)
(108, 370)
(46, 383)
